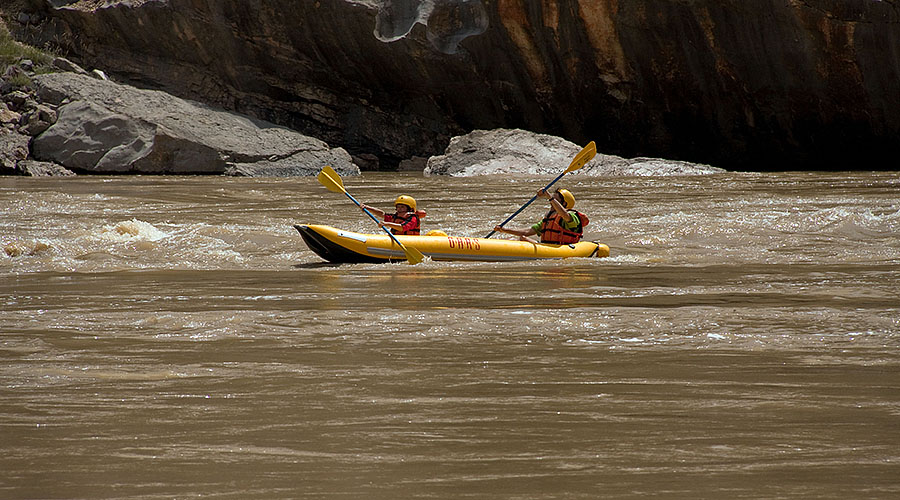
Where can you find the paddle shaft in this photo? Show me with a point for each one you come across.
(388, 231)
(558, 177)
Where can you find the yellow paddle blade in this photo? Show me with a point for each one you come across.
(413, 255)
(583, 157)
(331, 180)
(332, 172)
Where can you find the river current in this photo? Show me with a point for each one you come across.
(173, 337)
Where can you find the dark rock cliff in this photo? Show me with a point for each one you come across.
(754, 84)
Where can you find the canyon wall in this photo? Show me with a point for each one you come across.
(739, 84)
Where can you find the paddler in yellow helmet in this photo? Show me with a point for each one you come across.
(406, 220)
(561, 225)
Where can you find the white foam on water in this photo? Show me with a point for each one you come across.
(131, 230)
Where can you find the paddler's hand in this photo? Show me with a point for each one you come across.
(542, 193)
(499, 229)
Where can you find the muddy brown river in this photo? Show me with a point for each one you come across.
(173, 337)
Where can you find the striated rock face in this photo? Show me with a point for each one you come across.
(757, 84)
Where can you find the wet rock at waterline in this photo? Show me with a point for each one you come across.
(505, 151)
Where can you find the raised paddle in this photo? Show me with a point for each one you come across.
(331, 180)
(580, 159)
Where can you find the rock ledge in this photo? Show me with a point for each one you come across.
(105, 127)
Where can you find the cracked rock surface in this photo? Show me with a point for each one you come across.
(105, 127)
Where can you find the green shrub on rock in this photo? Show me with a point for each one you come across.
(13, 53)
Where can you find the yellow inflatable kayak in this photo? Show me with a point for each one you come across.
(337, 245)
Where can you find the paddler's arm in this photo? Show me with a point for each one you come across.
(523, 234)
(375, 211)
(380, 214)
(561, 210)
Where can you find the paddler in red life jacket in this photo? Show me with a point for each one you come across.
(405, 220)
(561, 225)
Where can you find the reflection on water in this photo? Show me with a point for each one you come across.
(173, 337)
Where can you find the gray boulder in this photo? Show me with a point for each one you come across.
(63, 64)
(87, 136)
(38, 119)
(18, 100)
(105, 127)
(13, 150)
(44, 169)
(8, 117)
(645, 167)
(502, 151)
(14, 158)
(514, 151)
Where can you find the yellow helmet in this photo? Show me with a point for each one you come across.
(406, 200)
(568, 198)
(435, 232)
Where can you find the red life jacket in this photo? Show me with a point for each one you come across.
(553, 231)
(405, 222)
